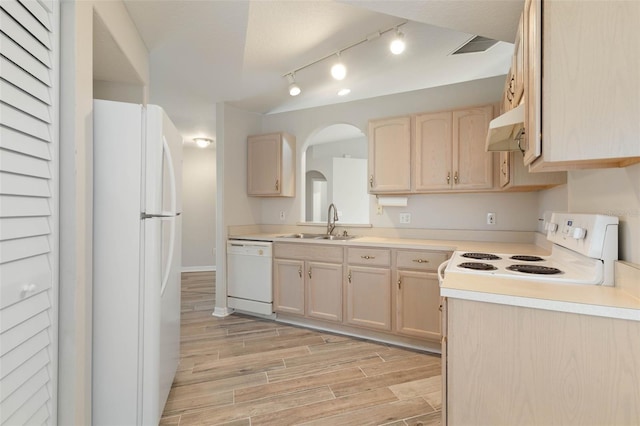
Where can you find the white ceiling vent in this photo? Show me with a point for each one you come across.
(476, 44)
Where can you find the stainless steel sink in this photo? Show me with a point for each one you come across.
(302, 235)
(318, 237)
(336, 237)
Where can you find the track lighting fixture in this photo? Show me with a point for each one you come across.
(338, 70)
(397, 45)
(294, 89)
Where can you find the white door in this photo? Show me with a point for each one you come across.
(28, 211)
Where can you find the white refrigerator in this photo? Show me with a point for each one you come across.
(137, 180)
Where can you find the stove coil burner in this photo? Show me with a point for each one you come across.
(478, 266)
(526, 258)
(534, 269)
(481, 256)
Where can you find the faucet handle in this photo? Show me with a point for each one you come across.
(344, 233)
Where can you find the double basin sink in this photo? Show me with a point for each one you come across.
(318, 237)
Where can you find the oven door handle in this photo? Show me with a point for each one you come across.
(441, 268)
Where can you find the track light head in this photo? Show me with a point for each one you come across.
(338, 70)
(398, 44)
(294, 89)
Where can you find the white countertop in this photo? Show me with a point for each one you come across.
(604, 301)
(406, 243)
(613, 302)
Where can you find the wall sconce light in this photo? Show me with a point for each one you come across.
(203, 142)
(398, 44)
(294, 89)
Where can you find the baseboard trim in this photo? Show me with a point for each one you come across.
(198, 268)
(221, 312)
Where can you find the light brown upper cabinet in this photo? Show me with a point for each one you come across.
(433, 157)
(449, 150)
(447, 153)
(390, 155)
(582, 103)
(271, 165)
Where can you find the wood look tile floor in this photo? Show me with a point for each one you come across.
(241, 370)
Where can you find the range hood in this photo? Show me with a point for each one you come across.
(505, 131)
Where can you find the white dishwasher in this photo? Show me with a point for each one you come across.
(249, 280)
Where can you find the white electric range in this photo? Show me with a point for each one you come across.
(585, 247)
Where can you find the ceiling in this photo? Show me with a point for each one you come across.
(206, 51)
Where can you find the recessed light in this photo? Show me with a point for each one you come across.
(344, 92)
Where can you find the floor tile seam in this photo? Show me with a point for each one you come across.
(293, 389)
(246, 358)
(430, 404)
(363, 408)
(258, 401)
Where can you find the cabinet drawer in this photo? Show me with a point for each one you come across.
(420, 259)
(368, 256)
(319, 252)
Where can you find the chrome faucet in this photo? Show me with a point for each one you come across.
(331, 221)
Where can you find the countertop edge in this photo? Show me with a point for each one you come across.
(545, 304)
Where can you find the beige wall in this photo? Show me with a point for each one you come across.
(199, 208)
(234, 206)
(76, 191)
(613, 192)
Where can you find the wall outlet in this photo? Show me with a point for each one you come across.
(491, 218)
(281, 215)
(405, 217)
(379, 210)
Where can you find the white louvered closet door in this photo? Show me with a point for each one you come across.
(29, 52)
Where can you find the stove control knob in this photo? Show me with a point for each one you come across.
(579, 233)
(552, 227)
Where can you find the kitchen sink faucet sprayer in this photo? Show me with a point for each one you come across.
(331, 220)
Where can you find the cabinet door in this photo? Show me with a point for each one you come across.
(472, 166)
(369, 297)
(389, 155)
(532, 69)
(271, 165)
(324, 291)
(433, 152)
(418, 304)
(518, 63)
(288, 280)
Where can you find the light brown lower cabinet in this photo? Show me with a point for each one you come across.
(368, 297)
(309, 281)
(353, 286)
(417, 293)
(324, 291)
(417, 304)
(508, 365)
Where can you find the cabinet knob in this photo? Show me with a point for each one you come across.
(277, 185)
(399, 284)
(455, 178)
(300, 272)
(309, 273)
(349, 276)
(368, 257)
(448, 178)
(421, 260)
(371, 181)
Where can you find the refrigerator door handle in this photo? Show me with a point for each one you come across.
(145, 215)
(172, 233)
(172, 174)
